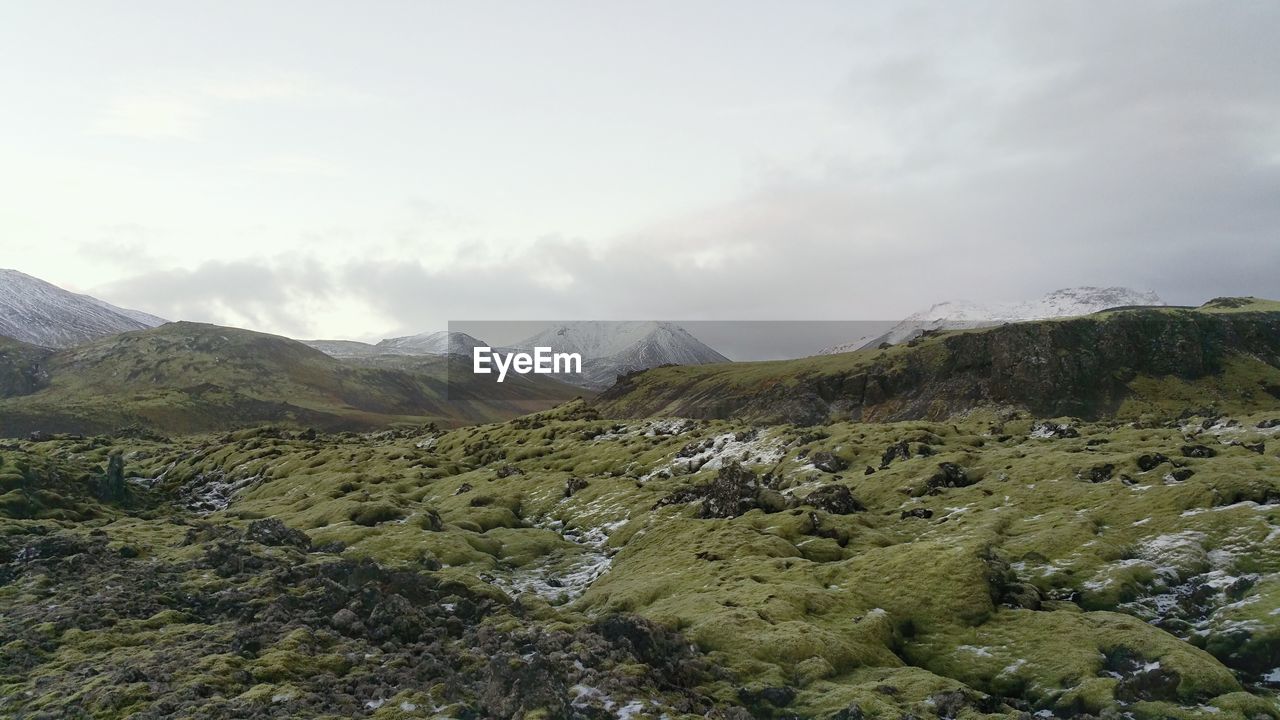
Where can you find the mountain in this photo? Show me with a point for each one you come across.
(192, 377)
(342, 349)
(962, 314)
(1224, 354)
(441, 342)
(613, 348)
(40, 313)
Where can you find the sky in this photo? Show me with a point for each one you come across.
(364, 170)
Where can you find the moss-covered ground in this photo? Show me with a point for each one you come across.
(995, 565)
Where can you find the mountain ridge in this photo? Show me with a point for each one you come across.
(40, 313)
(611, 349)
(191, 377)
(964, 314)
(1094, 366)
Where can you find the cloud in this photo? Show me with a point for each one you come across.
(180, 106)
(152, 116)
(992, 152)
(280, 296)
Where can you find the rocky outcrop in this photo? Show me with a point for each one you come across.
(1080, 367)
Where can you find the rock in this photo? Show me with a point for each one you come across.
(1268, 424)
(273, 532)
(1101, 473)
(463, 488)
(828, 462)
(113, 487)
(431, 521)
(508, 470)
(1150, 461)
(1198, 451)
(1179, 475)
(344, 619)
(573, 485)
(898, 451)
(949, 475)
(735, 490)
(922, 513)
(869, 471)
(771, 501)
(834, 499)
(776, 696)
(1053, 430)
(854, 711)
(731, 494)
(1140, 680)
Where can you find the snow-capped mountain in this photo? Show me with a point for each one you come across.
(40, 313)
(611, 348)
(343, 349)
(441, 342)
(962, 314)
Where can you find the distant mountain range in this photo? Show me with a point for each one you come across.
(441, 342)
(191, 377)
(1223, 355)
(40, 313)
(613, 348)
(608, 348)
(962, 314)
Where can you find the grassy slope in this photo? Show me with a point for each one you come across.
(1224, 354)
(871, 608)
(186, 377)
(20, 367)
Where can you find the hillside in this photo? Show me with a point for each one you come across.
(187, 377)
(36, 312)
(1126, 362)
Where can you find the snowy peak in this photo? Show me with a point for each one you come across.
(612, 348)
(40, 313)
(599, 339)
(963, 314)
(441, 342)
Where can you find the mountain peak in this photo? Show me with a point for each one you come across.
(610, 348)
(439, 342)
(41, 313)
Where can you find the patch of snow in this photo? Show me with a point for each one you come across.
(553, 577)
(761, 449)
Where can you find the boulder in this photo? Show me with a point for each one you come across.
(828, 462)
(275, 533)
(834, 499)
(1198, 451)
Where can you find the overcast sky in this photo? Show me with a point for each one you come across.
(360, 170)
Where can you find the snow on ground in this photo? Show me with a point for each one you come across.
(557, 577)
(750, 449)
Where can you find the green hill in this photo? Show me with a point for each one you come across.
(189, 377)
(1225, 354)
